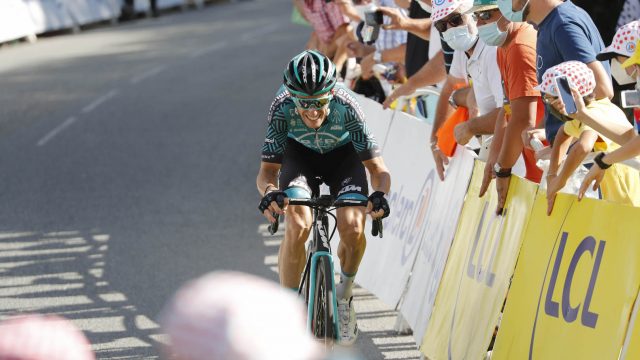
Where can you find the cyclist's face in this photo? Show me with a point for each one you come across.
(313, 116)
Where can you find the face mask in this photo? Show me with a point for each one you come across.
(459, 38)
(426, 7)
(618, 73)
(506, 8)
(361, 9)
(491, 35)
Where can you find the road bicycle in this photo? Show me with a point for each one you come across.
(317, 284)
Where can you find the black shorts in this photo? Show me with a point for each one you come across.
(341, 169)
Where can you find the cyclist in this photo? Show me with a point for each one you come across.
(317, 133)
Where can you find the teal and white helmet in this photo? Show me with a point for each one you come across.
(309, 74)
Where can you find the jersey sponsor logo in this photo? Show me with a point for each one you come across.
(336, 127)
(269, 141)
(346, 181)
(276, 104)
(343, 95)
(323, 235)
(350, 188)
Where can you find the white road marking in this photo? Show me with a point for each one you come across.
(208, 49)
(99, 101)
(57, 130)
(261, 31)
(148, 74)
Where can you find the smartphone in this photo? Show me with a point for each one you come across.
(630, 98)
(373, 18)
(565, 93)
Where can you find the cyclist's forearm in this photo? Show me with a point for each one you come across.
(380, 177)
(267, 177)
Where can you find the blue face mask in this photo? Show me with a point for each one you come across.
(491, 35)
(459, 38)
(506, 8)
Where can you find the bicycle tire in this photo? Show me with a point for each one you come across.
(324, 317)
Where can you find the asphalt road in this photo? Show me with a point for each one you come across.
(128, 156)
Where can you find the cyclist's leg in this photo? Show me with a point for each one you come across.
(349, 180)
(295, 172)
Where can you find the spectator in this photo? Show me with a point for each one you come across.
(389, 47)
(627, 151)
(428, 74)
(630, 12)
(523, 107)
(621, 184)
(565, 32)
(472, 59)
(234, 316)
(42, 337)
(327, 21)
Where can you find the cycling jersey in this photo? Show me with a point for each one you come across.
(344, 124)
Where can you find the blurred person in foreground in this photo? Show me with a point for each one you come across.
(621, 184)
(523, 107)
(42, 337)
(228, 315)
(628, 151)
(472, 60)
(327, 21)
(565, 32)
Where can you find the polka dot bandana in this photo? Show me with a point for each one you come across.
(624, 42)
(443, 8)
(578, 74)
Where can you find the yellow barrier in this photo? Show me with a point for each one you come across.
(576, 282)
(481, 261)
(633, 352)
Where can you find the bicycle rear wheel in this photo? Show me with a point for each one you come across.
(324, 317)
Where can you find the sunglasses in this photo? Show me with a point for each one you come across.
(483, 15)
(308, 104)
(454, 21)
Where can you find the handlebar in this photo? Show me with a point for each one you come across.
(325, 203)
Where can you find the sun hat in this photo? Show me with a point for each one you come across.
(42, 337)
(227, 315)
(444, 8)
(634, 58)
(624, 42)
(578, 74)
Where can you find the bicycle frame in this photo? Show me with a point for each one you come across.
(319, 247)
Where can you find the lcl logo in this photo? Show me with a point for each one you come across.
(587, 248)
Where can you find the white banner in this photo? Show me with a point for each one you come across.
(441, 222)
(49, 15)
(90, 11)
(417, 199)
(15, 21)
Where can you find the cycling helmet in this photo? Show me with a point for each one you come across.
(309, 74)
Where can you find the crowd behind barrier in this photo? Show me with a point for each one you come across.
(447, 261)
(28, 18)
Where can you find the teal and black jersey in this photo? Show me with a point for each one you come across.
(344, 124)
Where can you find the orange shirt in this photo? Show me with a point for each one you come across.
(517, 63)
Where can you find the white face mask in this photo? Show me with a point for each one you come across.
(362, 9)
(460, 38)
(491, 35)
(618, 73)
(426, 7)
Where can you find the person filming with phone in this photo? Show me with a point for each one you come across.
(569, 90)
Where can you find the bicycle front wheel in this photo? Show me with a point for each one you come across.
(323, 322)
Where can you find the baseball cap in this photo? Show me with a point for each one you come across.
(444, 8)
(482, 5)
(624, 42)
(578, 74)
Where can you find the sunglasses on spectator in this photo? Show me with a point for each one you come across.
(483, 15)
(316, 103)
(454, 21)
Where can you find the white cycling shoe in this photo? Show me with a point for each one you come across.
(347, 321)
